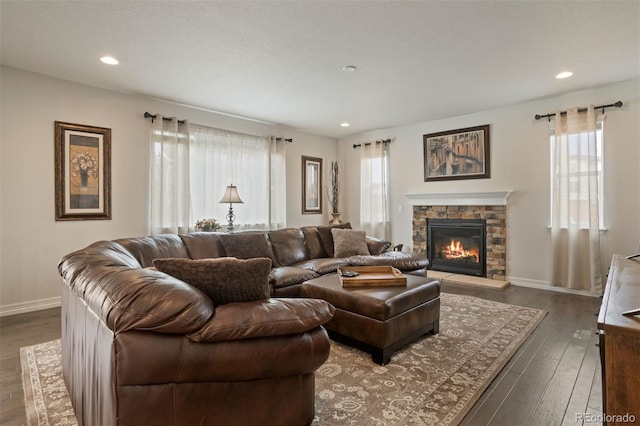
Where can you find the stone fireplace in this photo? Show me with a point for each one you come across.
(487, 208)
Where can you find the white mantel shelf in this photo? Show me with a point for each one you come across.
(460, 199)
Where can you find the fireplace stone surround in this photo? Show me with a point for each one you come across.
(491, 207)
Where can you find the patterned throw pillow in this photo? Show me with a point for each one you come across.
(247, 245)
(225, 279)
(348, 242)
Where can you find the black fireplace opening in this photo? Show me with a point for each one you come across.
(457, 246)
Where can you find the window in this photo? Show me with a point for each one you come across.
(191, 167)
(576, 169)
(374, 190)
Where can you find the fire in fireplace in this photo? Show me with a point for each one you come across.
(457, 246)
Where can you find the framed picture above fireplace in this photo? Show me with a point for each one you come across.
(457, 154)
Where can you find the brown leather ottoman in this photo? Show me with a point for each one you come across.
(379, 320)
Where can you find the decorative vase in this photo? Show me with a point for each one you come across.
(336, 219)
(84, 177)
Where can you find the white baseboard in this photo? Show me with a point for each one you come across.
(544, 285)
(31, 306)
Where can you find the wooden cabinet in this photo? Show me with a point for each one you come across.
(620, 343)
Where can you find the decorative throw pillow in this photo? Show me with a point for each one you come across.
(247, 245)
(225, 279)
(327, 237)
(348, 242)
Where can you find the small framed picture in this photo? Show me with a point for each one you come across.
(311, 185)
(82, 172)
(457, 154)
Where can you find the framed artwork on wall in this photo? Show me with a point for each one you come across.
(311, 185)
(82, 172)
(457, 154)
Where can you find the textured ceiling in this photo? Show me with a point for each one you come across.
(281, 61)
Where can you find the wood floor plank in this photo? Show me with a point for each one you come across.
(557, 395)
(579, 402)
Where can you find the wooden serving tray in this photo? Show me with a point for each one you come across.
(372, 276)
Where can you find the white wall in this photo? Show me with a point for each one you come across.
(31, 241)
(519, 162)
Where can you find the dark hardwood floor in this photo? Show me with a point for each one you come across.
(551, 380)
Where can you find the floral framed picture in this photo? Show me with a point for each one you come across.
(457, 154)
(82, 172)
(311, 185)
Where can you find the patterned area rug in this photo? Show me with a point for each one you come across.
(434, 381)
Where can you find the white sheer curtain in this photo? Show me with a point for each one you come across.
(192, 166)
(220, 158)
(575, 205)
(374, 190)
(169, 180)
(278, 180)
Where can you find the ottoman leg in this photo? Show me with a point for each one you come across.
(436, 326)
(381, 356)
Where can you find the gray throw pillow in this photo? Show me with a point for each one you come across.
(327, 237)
(348, 242)
(225, 279)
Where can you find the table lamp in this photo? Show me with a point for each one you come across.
(231, 196)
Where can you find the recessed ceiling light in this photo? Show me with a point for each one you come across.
(345, 124)
(109, 60)
(349, 68)
(564, 74)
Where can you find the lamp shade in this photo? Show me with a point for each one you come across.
(231, 195)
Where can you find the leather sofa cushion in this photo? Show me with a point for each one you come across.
(285, 276)
(288, 246)
(327, 237)
(224, 280)
(324, 266)
(145, 359)
(145, 249)
(348, 242)
(203, 245)
(404, 261)
(273, 317)
(314, 242)
(247, 245)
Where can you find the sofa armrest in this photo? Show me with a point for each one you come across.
(263, 318)
(127, 297)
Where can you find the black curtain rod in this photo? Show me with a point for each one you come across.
(551, 115)
(153, 117)
(358, 145)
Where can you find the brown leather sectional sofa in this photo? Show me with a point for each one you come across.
(142, 347)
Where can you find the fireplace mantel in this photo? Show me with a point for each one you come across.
(460, 199)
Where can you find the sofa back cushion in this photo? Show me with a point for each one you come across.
(224, 280)
(288, 246)
(312, 239)
(203, 245)
(145, 249)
